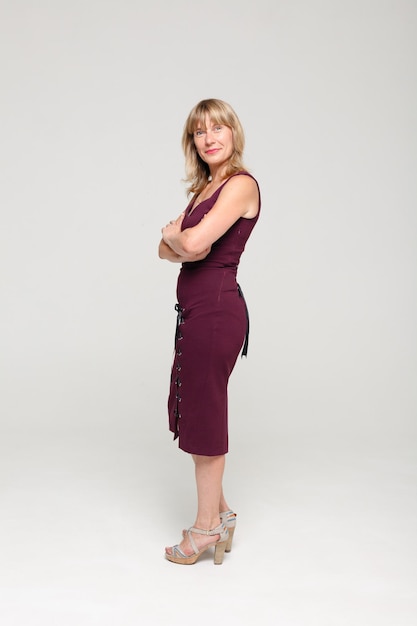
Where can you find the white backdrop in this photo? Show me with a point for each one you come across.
(94, 95)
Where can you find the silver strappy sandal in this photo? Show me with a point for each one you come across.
(178, 556)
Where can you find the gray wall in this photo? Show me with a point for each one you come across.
(94, 96)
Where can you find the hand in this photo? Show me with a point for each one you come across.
(172, 229)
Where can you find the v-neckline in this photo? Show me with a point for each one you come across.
(194, 206)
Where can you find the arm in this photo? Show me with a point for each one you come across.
(239, 198)
(165, 252)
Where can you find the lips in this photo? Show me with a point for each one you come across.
(212, 151)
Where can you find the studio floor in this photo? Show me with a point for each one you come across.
(326, 533)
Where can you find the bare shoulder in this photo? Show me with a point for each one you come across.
(243, 182)
(243, 189)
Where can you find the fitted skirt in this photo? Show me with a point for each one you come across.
(212, 323)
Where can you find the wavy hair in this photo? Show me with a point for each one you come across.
(219, 112)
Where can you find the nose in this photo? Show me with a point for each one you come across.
(209, 137)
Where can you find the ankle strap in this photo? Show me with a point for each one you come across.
(214, 531)
(228, 514)
(219, 530)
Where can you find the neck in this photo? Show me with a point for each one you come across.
(216, 175)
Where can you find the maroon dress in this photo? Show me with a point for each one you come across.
(212, 323)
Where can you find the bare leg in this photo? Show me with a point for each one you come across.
(223, 504)
(209, 475)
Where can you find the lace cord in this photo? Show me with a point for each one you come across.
(178, 353)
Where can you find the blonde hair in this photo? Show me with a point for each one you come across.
(219, 112)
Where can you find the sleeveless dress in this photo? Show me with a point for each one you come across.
(212, 322)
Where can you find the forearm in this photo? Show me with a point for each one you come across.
(187, 243)
(166, 252)
(176, 241)
(177, 246)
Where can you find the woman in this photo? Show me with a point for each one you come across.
(208, 238)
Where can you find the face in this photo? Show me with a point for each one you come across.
(214, 143)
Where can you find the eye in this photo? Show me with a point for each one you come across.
(218, 128)
(198, 133)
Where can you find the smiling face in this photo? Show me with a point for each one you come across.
(214, 143)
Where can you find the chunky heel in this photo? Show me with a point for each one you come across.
(228, 518)
(230, 540)
(219, 552)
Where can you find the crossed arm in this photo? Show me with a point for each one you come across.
(239, 198)
(165, 252)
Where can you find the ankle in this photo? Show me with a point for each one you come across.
(206, 523)
(223, 506)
